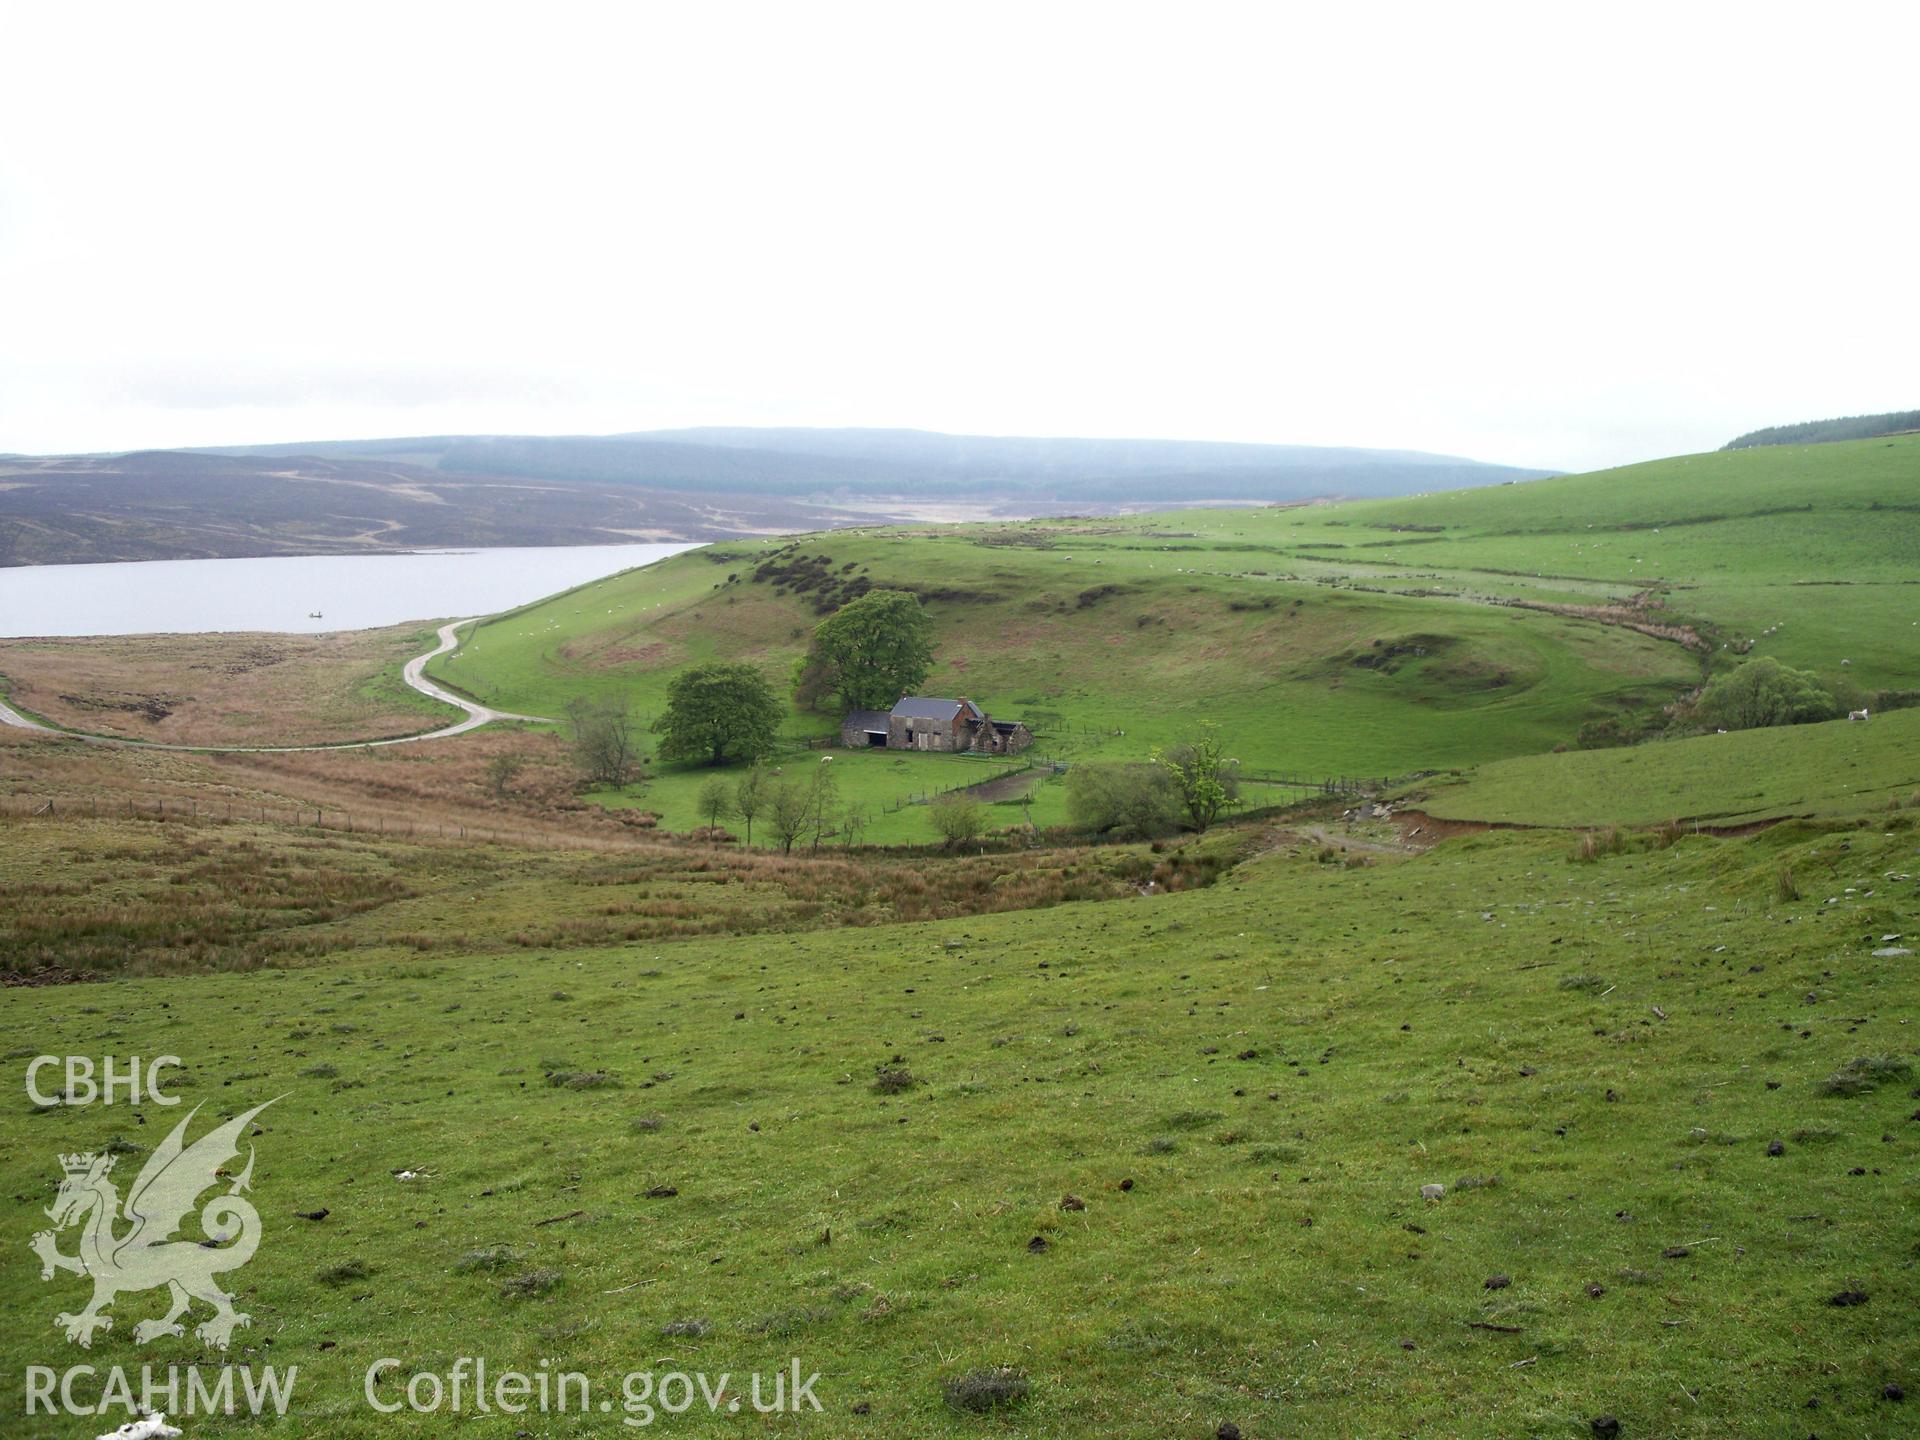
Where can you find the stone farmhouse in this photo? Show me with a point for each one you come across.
(921, 722)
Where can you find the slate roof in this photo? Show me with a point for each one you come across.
(875, 720)
(923, 707)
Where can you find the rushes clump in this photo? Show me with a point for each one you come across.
(1596, 843)
(982, 1390)
(893, 1080)
(342, 1273)
(488, 1257)
(530, 1284)
(1865, 1073)
(1785, 886)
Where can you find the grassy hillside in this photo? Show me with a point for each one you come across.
(1108, 639)
(1838, 768)
(1803, 551)
(1366, 638)
(660, 1156)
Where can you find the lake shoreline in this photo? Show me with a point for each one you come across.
(299, 594)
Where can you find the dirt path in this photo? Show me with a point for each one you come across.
(414, 673)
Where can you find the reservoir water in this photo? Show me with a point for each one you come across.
(298, 593)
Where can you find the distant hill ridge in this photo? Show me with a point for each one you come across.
(925, 465)
(1813, 432)
(434, 491)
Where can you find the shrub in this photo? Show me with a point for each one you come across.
(958, 818)
(1124, 801)
(889, 1080)
(1764, 692)
(1610, 732)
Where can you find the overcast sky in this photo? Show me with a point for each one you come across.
(1540, 234)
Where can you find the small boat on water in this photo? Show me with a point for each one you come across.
(314, 615)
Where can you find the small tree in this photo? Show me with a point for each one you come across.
(605, 745)
(789, 809)
(716, 801)
(750, 796)
(853, 824)
(502, 771)
(872, 651)
(823, 801)
(717, 713)
(1202, 777)
(958, 818)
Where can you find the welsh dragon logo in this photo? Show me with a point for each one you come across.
(146, 1255)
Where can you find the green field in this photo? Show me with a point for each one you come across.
(1593, 1059)
(1838, 768)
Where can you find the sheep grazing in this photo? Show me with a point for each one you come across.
(1856, 714)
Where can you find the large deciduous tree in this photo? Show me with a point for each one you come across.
(717, 713)
(871, 652)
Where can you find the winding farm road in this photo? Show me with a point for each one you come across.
(414, 673)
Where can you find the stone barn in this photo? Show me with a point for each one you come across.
(920, 722)
(862, 728)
